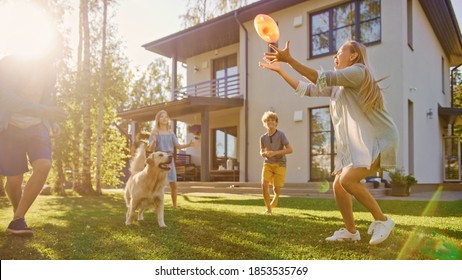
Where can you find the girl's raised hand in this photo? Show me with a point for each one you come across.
(278, 55)
(276, 67)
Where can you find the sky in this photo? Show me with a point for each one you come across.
(143, 21)
(139, 22)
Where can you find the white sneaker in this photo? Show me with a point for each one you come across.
(380, 230)
(344, 235)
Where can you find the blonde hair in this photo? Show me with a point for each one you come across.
(269, 115)
(157, 125)
(371, 93)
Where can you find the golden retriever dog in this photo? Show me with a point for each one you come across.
(145, 186)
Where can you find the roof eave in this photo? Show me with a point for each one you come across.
(215, 33)
(444, 23)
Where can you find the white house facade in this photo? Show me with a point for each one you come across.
(413, 43)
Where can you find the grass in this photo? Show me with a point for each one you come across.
(227, 227)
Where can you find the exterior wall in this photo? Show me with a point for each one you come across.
(267, 91)
(423, 85)
(392, 57)
(410, 79)
(204, 64)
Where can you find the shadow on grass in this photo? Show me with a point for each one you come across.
(410, 208)
(210, 228)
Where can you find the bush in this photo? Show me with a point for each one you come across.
(399, 178)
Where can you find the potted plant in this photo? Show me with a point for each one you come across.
(400, 183)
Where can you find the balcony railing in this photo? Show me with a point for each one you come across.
(227, 87)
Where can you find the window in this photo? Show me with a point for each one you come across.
(358, 20)
(225, 72)
(225, 146)
(322, 144)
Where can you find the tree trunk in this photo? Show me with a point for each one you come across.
(2, 186)
(86, 185)
(59, 184)
(102, 88)
(77, 128)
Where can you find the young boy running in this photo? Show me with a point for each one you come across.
(273, 148)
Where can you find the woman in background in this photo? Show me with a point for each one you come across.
(164, 139)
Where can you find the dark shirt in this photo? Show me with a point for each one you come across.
(275, 142)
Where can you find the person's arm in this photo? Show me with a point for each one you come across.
(190, 144)
(301, 88)
(276, 67)
(14, 104)
(152, 140)
(287, 150)
(179, 146)
(263, 151)
(285, 56)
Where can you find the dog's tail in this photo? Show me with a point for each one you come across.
(139, 161)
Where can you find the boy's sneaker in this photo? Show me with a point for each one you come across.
(344, 235)
(19, 226)
(380, 230)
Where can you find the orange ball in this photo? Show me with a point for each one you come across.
(266, 28)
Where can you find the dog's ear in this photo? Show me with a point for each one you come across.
(150, 161)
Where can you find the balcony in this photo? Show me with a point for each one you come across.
(227, 87)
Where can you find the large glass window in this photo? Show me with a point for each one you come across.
(322, 144)
(225, 146)
(356, 20)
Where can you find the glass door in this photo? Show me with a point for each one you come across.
(225, 75)
(451, 163)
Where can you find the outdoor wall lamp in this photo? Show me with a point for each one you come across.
(430, 114)
(196, 69)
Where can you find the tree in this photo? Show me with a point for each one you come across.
(2, 189)
(99, 138)
(149, 87)
(86, 95)
(456, 80)
(201, 11)
(85, 85)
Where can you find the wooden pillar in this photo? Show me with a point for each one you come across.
(205, 146)
(174, 77)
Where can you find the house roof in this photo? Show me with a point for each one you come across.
(444, 23)
(224, 30)
(215, 33)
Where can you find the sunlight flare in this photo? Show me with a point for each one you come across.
(433, 244)
(25, 29)
(323, 186)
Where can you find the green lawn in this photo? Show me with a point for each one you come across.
(227, 227)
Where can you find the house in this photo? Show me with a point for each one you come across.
(415, 43)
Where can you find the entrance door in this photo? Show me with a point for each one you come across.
(451, 163)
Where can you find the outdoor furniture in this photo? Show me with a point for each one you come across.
(224, 175)
(185, 170)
